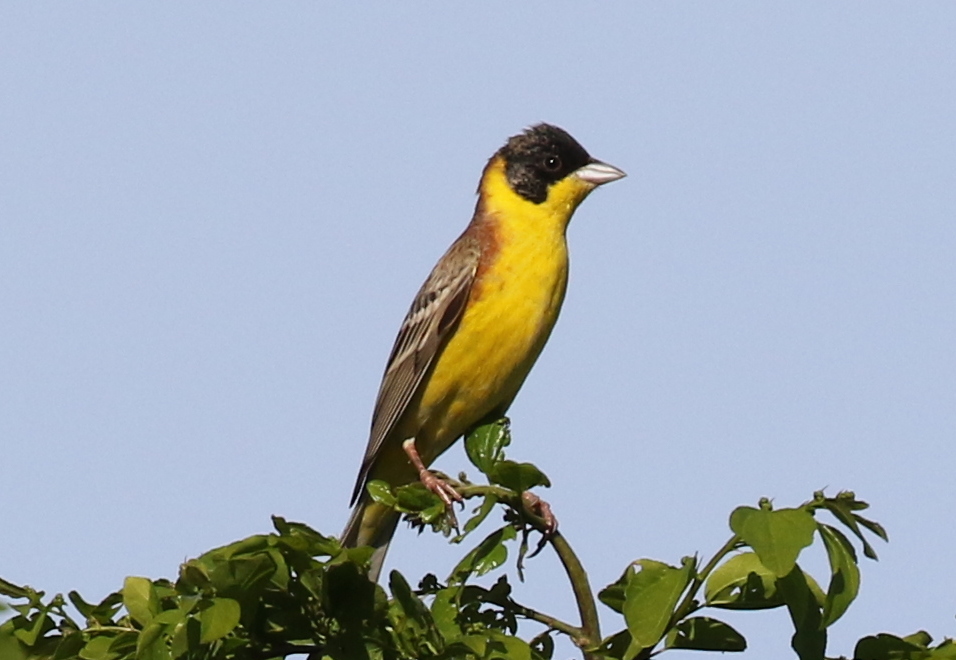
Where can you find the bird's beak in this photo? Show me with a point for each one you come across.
(597, 173)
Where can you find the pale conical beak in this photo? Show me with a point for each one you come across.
(597, 173)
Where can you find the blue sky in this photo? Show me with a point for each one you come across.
(215, 215)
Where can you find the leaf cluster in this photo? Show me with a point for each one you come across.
(290, 592)
(756, 569)
(297, 592)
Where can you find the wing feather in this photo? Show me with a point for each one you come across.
(432, 317)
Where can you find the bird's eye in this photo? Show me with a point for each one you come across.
(552, 163)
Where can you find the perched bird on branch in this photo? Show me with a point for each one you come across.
(478, 323)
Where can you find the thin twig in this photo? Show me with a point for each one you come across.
(551, 622)
(687, 604)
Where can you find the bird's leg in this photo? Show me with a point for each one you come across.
(439, 486)
(542, 509)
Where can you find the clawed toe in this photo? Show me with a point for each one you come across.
(444, 490)
(542, 509)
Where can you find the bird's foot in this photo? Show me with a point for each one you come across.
(444, 490)
(537, 506)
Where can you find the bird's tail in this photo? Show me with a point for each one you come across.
(371, 524)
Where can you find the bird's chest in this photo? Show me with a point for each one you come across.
(513, 308)
(517, 301)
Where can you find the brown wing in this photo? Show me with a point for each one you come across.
(431, 318)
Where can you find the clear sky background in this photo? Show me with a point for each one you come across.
(213, 217)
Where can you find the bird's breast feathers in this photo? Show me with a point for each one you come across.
(510, 314)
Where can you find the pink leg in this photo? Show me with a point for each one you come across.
(444, 490)
(541, 509)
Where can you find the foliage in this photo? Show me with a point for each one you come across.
(295, 591)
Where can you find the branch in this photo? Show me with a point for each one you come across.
(687, 604)
(590, 625)
(589, 634)
(555, 624)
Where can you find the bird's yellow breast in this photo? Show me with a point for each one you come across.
(512, 309)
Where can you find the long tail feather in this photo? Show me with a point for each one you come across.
(371, 524)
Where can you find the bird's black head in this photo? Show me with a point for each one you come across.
(542, 155)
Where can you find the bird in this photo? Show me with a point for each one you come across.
(478, 323)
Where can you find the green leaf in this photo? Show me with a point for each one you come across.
(650, 595)
(102, 613)
(543, 645)
(493, 645)
(37, 628)
(462, 649)
(435, 514)
(280, 576)
(477, 646)
(843, 507)
(486, 507)
(845, 574)
(246, 574)
(616, 645)
(705, 634)
(492, 552)
(485, 444)
(193, 575)
(945, 651)
(507, 647)
(140, 599)
(873, 526)
(519, 477)
(10, 646)
(888, 647)
(98, 648)
(84, 608)
(185, 636)
(633, 650)
(412, 620)
(68, 647)
(445, 613)
(810, 637)
(219, 619)
(412, 607)
(613, 594)
(169, 618)
(488, 555)
(776, 536)
(347, 594)
(315, 544)
(124, 644)
(108, 608)
(381, 492)
(920, 638)
(416, 497)
(152, 644)
(14, 591)
(742, 583)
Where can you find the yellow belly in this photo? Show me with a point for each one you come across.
(509, 318)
